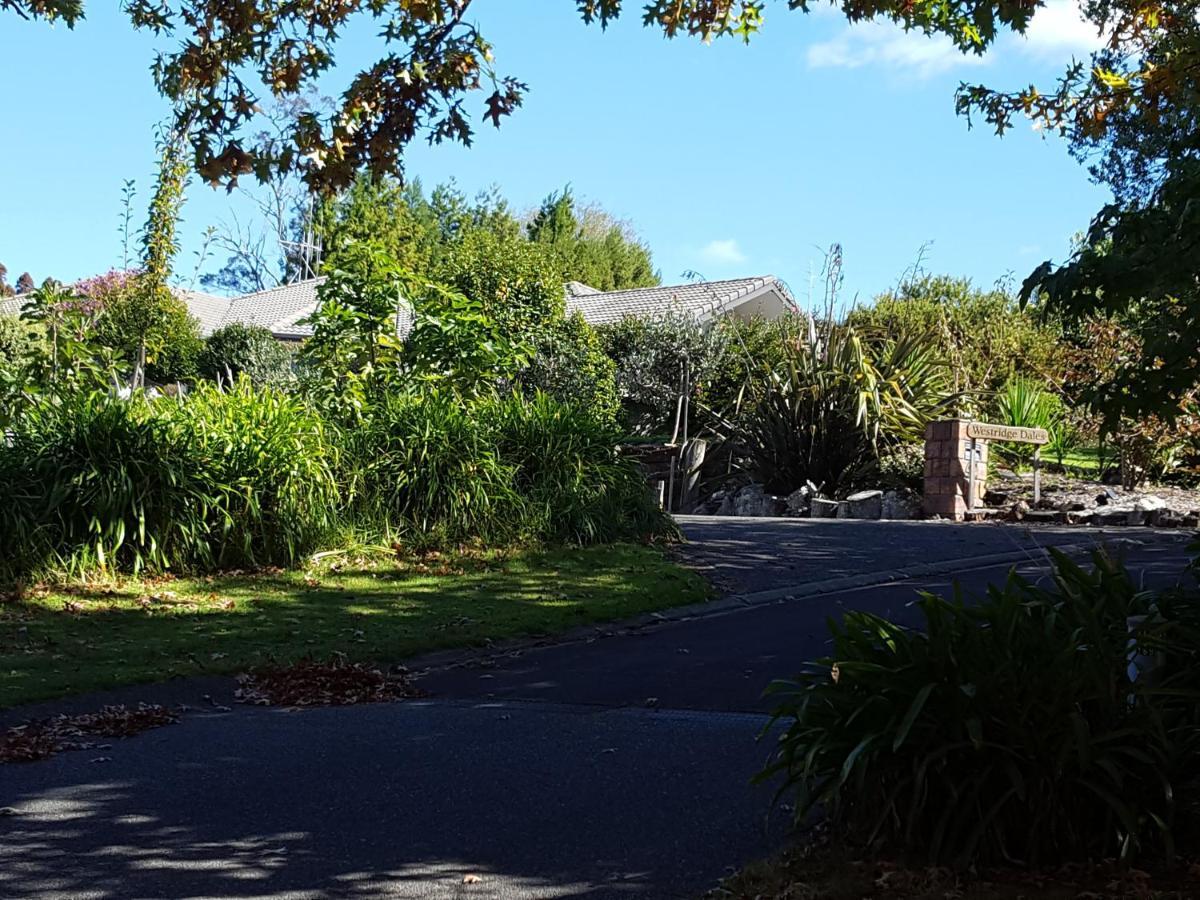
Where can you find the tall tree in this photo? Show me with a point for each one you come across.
(594, 247)
(25, 283)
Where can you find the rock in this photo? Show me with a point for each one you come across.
(753, 502)
(996, 498)
(1111, 517)
(823, 509)
(862, 505)
(1102, 499)
(798, 501)
(1072, 506)
(1145, 510)
(1044, 516)
(1018, 511)
(726, 507)
(899, 505)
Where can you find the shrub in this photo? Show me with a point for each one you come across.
(1026, 404)
(268, 465)
(223, 478)
(421, 468)
(573, 485)
(21, 343)
(568, 364)
(825, 413)
(651, 356)
(1005, 731)
(237, 349)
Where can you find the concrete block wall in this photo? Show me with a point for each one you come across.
(947, 476)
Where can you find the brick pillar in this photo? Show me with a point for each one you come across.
(947, 476)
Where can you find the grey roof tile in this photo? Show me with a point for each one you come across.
(703, 299)
(281, 309)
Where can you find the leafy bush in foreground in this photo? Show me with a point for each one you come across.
(1006, 731)
(219, 479)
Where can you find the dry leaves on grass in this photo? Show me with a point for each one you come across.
(45, 737)
(333, 683)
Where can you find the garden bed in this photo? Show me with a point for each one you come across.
(59, 640)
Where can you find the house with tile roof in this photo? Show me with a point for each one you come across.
(282, 310)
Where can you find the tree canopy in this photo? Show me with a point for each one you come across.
(229, 57)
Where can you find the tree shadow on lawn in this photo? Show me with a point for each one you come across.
(88, 637)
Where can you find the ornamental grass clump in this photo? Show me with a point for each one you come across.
(1041, 725)
(220, 479)
(574, 487)
(421, 470)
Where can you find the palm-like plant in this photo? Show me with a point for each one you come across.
(823, 413)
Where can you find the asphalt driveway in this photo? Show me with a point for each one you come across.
(613, 765)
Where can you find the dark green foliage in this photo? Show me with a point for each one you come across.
(591, 246)
(574, 487)
(569, 364)
(421, 468)
(651, 357)
(217, 480)
(430, 470)
(236, 349)
(1007, 730)
(831, 405)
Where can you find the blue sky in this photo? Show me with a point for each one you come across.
(729, 160)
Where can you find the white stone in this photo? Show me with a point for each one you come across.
(863, 505)
(823, 509)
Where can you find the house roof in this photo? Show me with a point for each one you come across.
(280, 309)
(11, 306)
(703, 299)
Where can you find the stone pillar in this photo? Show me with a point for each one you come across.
(947, 469)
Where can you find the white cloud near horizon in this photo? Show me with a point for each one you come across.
(1058, 31)
(723, 252)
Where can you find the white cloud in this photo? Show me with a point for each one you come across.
(725, 252)
(884, 43)
(1056, 32)
(1059, 30)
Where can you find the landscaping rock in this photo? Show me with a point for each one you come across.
(1018, 511)
(823, 509)
(1146, 509)
(900, 505)
(862, 505)
(799, 501)
(1111, 517)
(753, 502)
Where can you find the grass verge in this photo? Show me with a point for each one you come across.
(72, 638)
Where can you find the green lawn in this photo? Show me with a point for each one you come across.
(64, 640)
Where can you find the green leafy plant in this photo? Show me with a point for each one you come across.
(574, 486)
(1007, 731)
(833, 403)
(237, 349)
(568, 363)
(1025, 403)
(219, 479)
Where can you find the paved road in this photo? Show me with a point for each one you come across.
(608, 767)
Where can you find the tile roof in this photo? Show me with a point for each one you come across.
(281, 309)
(703, 299)
(11, 306)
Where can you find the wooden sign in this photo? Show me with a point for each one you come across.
(1011, 433)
